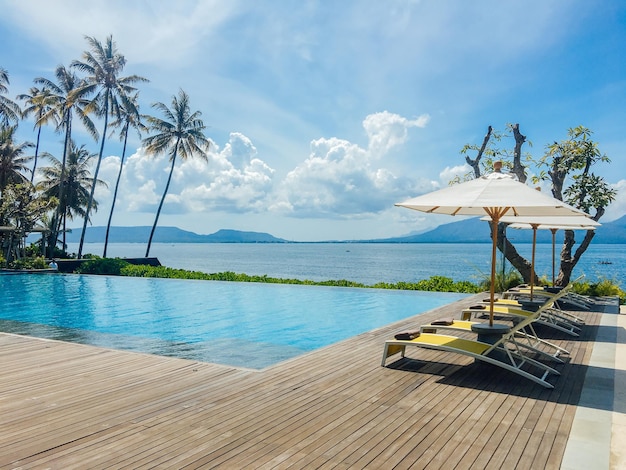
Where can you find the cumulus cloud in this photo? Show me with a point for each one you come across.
(340, 179)
(233, 179)
(386, 130)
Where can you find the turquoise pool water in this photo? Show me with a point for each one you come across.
(239, 324)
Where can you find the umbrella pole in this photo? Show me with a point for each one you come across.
(532, 262)
(494, 236)
(553, 230)
(504, 256)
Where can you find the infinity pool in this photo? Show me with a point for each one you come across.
(232, 323)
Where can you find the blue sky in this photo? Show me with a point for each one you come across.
(324, 114)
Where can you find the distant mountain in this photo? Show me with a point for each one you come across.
(464, 231)
(169, 235)
(612, 232)
(471, 230)
(475, 230)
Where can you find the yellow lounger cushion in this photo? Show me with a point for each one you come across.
(458, 325)
(451, 341)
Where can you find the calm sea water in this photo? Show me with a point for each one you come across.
(367, 263)
(240, 324)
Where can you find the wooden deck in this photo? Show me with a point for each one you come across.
(66, 406)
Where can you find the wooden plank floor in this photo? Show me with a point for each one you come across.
(66, 406)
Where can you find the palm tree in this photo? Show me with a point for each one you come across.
(9, 110)
(13, 162)
(129, 117)
(77, 180)
(14, 187)
(103, 64)
(38, 103)
(180, 134)
(21, 208)
(67, 101)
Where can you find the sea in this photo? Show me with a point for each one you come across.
(366, 263)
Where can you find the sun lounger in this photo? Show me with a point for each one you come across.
(547, 317)
(524, 291)
(524, 331)
(551, 315)
(553, 309)
(523, 294)
(526, 337)
(510, 357)
(547, 304)
(511, 351)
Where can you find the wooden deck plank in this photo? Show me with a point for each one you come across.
(76, 406)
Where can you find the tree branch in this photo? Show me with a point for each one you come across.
(475, 164)
(518, 168)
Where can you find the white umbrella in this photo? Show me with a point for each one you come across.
(496, 195)
(553, 224)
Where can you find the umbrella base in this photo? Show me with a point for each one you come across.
(490, 333)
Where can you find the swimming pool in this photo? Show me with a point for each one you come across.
(232, 323)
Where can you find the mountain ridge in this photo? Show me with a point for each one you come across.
(140, 234)
(471, 230)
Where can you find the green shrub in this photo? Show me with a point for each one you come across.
(504, 281)
(435, 284)
(33, 250)
(34, 262)
(604, 287)
(112, 266)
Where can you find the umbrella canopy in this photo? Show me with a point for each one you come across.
(574, 222)
(497, 194)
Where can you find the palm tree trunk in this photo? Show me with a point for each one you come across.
(117, 184)
(56, 220)
(64, 231)
(167, 187)
(32, 175)
(95, 177)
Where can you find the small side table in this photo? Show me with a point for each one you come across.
(490, 334)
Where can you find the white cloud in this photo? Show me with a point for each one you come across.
(617, 208)
(159, 32)
(340, 180)
(231, 180)
(450, 173)
(386, 130)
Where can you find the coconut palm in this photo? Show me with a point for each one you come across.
(68, 100)
(103, 64)
(129, 117)
(77, 180)
(180, 134)
(13, 162)
(9, 110)
(14, 187)
(39, 103)
(21, 208)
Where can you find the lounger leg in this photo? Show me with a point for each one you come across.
(390, 350)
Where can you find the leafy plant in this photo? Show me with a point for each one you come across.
(604, 287)
(503, 281)
(36, 262)
(435, 283)
(111, 266)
